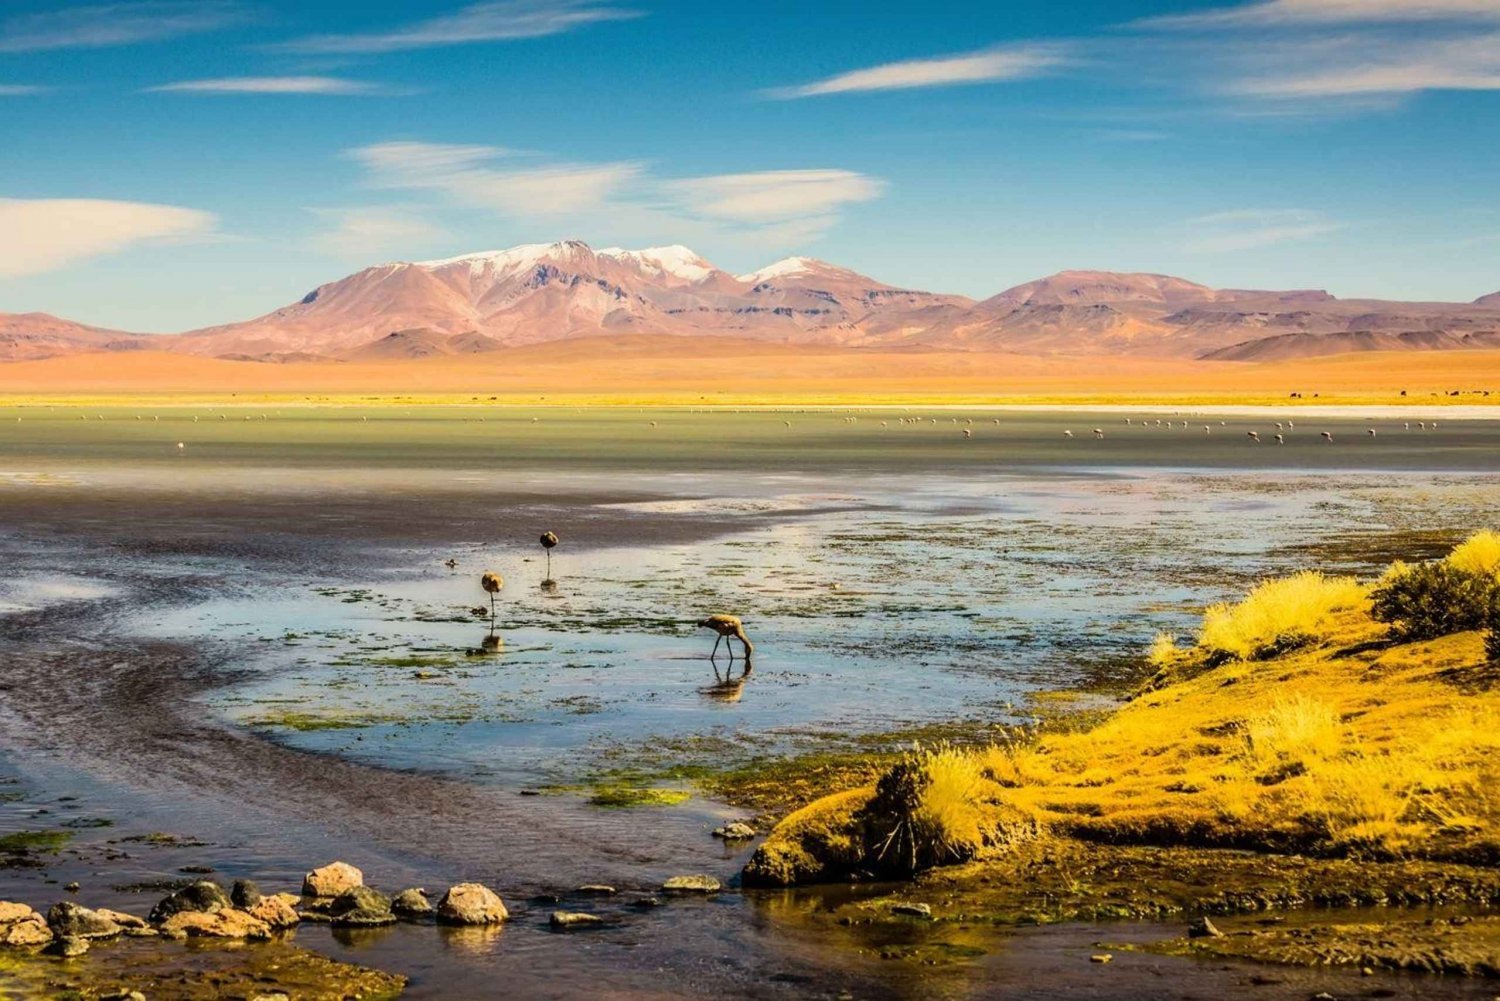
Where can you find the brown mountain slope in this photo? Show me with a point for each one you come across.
(41, 335)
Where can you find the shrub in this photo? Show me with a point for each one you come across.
(1277, 615)
(1164, 651)
(1429, 600)
(1478, 554)
(927, 810)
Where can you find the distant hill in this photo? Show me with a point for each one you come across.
(541, 293)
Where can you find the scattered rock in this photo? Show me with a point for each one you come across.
(122, 994)
(68, 920)
(471, 904)
(645, 903)
(361, 907)
(196, 870)
(913, 910)
(1100, 957)
(332, 880)
(1203, 928)
(22, 926)
(68, 946)
(597, 889)
(735, 830)
(412, 903)
(277, 911)
(202, 896)
(692, 884)
(273, 996)
(244, 894)
(125, 921)
(73, 887)
(227, 922)
(575, 919)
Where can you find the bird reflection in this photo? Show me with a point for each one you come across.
(727, 687)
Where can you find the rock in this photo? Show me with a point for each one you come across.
(125, 921)
(735, 830)
(645, 903)
(332, 880)
(123, 994)
(244, 894)
(361, 907)
(471, 904)
(1203, 928)
(692, 884)
(1100, 957)
(273, 996)
(277, 911)
(73, 887)
(227, 922)
(22, 926)
(913, 910)
(597, 889)
(575, 919)
(202, 896)
(412, 903)
(68, 919)
(68, 946)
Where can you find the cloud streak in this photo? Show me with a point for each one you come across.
(766, 207)
(360, 232)
(46, 234)
(112, 24)
(1332, 12)
(986, 66)
(21, 89)
(272, 85)
(1255, 229)
(496, 21)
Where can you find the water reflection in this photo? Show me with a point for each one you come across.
(727, 687)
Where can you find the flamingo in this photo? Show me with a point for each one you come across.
(1253, 436)
(728, 627)
(492, 583)
(549, 539)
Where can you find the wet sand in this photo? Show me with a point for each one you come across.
(103, 716)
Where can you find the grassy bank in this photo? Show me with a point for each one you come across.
(1323, 741)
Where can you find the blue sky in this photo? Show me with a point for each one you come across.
(166, 165)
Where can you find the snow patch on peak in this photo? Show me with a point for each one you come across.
(520, 258)
(675, 260)
(792, 266)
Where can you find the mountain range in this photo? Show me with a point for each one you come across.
(547, 292)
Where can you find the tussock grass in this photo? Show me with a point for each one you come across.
(1278, 615)
(1341, 744)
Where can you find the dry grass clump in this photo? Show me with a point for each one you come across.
(1478, 554)
(1278, 615)
(931, 808)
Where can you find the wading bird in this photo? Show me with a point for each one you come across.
(549, 539)
(1253, 436)
(1328, 437)
(492, 583)
(1280, 440)
(1099, 432)
(730, 628)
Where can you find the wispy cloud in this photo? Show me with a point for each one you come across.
(361, 232)
(46, 234)
(500, 20)
(1325, 12)
(765, 207)
(21, 89)
(462, 173)
(1347, 55)
(985, 66)
(774, 196)
(1254, 229)
(116, 24)
(274, 85)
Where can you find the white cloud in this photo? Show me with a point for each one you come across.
(500, 20)
(1305, 12)
(461, 173)
(20, 89)
(1375, 67)
(767, 208)
(1253, 229)
(116, 24)
(45, 234)
(970, 68)
(272, 85)
(367, 231)
(774, 195)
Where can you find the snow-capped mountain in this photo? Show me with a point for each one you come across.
(545, 292)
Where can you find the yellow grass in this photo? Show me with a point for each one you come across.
(1345, 745)
(1479, 554)
(1278, 615)
(645, 370)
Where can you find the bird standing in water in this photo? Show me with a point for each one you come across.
(492, 583)
(728, 627)
(549, 539)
